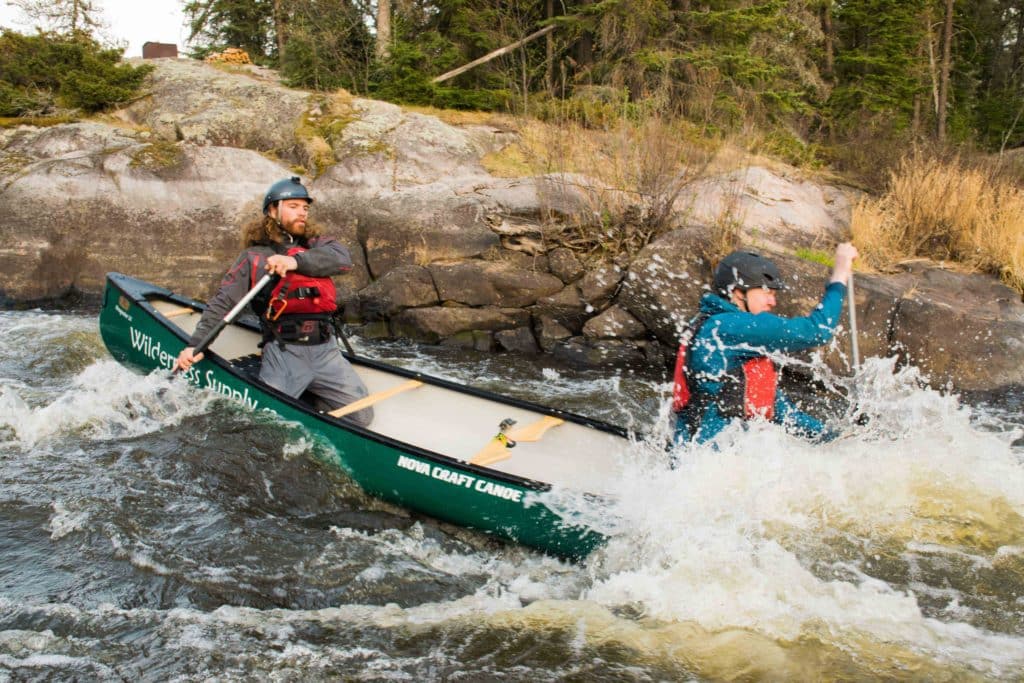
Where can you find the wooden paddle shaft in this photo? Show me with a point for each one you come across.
(853, 324)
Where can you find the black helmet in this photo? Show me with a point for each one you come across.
(745, 270)
(289, 188)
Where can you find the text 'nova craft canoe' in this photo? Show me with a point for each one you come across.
(432, 445)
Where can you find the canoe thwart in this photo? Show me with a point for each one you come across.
(535, 430)
(174, 312)
(375, 398)
(498, 449)
(495, 451)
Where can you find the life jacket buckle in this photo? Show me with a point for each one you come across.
(274, 312)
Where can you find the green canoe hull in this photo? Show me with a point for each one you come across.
(448, 489)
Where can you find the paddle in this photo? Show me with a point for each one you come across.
(232, 314)
(341, 335)
(853, 326)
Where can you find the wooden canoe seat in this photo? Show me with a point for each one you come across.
(496, 450)
(375, 398)
(183, 310)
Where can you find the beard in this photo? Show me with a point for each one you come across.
(296, 226)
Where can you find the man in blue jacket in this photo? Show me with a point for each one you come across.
(723, 369)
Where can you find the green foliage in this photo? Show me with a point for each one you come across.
(998, 118)
(881, 67)
(815, 256)
(850, 82)
(404, 78)
(328, 47)
(247, 24)
(784, 145)
(598, 107)
(41, 72)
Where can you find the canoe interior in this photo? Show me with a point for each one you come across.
(456, 424)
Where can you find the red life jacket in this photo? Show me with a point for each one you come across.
(298, 294)
(760, 383)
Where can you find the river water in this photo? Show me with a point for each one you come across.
(150, 531)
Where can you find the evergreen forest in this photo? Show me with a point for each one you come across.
(833, 81)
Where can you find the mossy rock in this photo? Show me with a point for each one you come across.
(11, 163)
(159, 156)
(37, 121)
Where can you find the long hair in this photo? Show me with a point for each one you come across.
(266, 231)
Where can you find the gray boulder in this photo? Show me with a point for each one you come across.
(964, 329)
(601, 353)
(665, 282)
(519, 340)
(401, 288)
(599, 285)
(549, 332)
(193, 102)
(488, 283)
(774, 208)
(613, 323)
(103, 201)
(434, 323)
(566, 307)
(565, 265)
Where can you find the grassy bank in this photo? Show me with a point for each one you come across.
(964, 213)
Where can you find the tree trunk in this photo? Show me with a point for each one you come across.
(828, 71)
(549, 70)
(279, 30)
(1018, 47)
(383, 47)
(585, 46)
(933, 68)
(947, 52)
(491, 55)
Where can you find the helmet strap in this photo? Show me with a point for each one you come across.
(741, 298)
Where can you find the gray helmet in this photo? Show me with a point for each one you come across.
(745, 270)
(289, 188)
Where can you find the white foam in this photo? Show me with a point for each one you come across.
(103, 401)
(64, 521)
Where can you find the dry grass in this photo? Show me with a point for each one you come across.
(635, 172)
(459, 117)
(948, 211)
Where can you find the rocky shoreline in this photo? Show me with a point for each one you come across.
(444, 251)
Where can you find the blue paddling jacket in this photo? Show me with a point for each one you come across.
(728, 339)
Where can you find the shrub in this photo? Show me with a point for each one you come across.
(403, 78)
(41, 72)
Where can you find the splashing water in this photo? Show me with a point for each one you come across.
(768, 533)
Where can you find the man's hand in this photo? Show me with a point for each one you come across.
(186, 358)
(845, 254)
(279, 264)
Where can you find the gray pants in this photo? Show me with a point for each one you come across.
(320, 369)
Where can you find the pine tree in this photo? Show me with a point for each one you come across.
(62, 16)
(246, 24)
(879, 62)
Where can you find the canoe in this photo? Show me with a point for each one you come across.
(434, 446)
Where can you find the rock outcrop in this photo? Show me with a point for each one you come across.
(444, 252)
